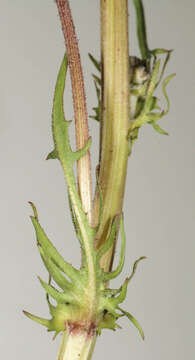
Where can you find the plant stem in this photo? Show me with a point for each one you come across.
(113, 144)
(76, 346)
(79, 101)
(115, 116)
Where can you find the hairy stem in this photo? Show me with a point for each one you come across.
(115, 116)
(79, 101)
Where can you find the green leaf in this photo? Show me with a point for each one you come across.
(154, 117)
(77, 231)
(52, 155)
(60, 126)
(108, 322)
(98, 92)
(97, 80)
(113, 274)
(97, 109)
(154, 104)
(101, 200)
(54, 271)
(121, 297)
(52, 253)
(111, 292)
(34, 210)
(80, 153)
(95, 62)
(164, 85)
(110, 241)
(158, 129)
(98, 84)
(160, 51)
(152, 83)
(135, 267)
(134, 322)
(74, 219)
(61, 298)
(37, 319)
(141, 29)
(67, 157)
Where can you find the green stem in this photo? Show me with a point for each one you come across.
(115, 116)
(141, 29)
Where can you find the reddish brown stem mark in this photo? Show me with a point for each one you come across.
(77, 328)
(79, 101)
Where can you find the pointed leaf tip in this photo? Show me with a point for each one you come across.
(96, 63)
(34, 210)
(37, 319)
(52, 155)
(54, 293)
(135, 267)
(158, 129)
(134, 322)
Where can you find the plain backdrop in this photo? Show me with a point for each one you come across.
(159, 203)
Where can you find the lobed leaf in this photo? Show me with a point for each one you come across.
(60, 297)
(51, 251)
(54, 271)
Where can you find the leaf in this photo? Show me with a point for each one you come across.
(134, 322)
(97, 109)
(111, 292)
(37, 319)
(95, 62)
(97, 80)
(34, 210)
(51, 251)
(60, 126)
(164, 85)
(80, 153)
(113, 274)
(121, 297)
(98, 92)
(110, 241)
(152, 82)
(54, 271)
(101, 200)
(160, 51)
(154, 104)
(52, 155)
(61, 298)
(141, 29)
(158, 129)
(67, 157)
(135, 267)
(154, 117)
(98, 83)
(164, 64)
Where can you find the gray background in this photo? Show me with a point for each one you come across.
(160, 186)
